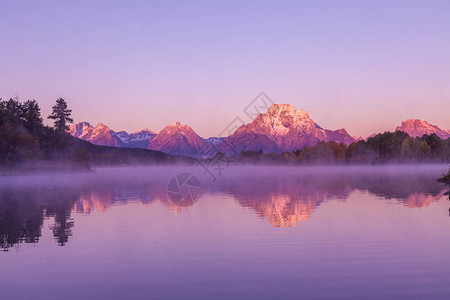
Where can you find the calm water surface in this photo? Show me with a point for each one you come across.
(256, 233)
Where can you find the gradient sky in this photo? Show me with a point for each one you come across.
(361, 65)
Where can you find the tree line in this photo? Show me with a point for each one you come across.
(24, 137)
(27, 144)
(395, 146)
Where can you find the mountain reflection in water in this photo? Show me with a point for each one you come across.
(283, 196)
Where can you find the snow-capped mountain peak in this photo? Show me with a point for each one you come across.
(99, 135)
(178, 139)
(123, 135)
(101, 126)
(284, 117)
(290, 129)
(144, 130)
(416, 127)
(79, 129)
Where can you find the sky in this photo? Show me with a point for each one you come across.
(360, 65)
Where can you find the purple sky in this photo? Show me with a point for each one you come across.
(361, 65)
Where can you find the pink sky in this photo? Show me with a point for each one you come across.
(364, 66)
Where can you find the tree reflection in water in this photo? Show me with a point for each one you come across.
(282, 198)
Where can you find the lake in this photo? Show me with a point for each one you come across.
(376, 232)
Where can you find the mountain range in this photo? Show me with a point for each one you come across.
(283, 128)
(417, 128)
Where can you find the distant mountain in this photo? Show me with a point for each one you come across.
(99, 135)
(214, 140)
(138, 139)
(416, 127)
(282, 128)
(102, 135)
(140, 135)
(178, 139)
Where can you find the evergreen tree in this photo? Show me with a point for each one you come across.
(2, 112)
(31, 116)
(61, 114)
(11, 112)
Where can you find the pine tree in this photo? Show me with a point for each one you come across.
(31, 116)
(11, 110)
(61, 114)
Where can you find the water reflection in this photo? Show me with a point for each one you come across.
(286, 200)
(22, 212)
(283, 198)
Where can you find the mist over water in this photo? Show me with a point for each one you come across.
(255, 232)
